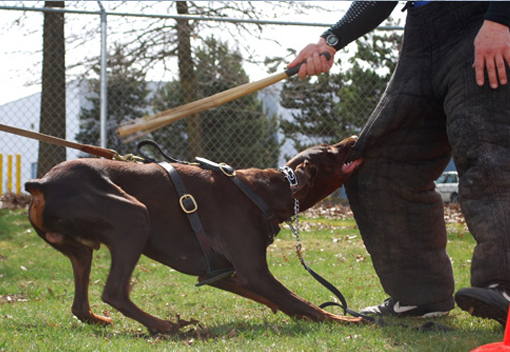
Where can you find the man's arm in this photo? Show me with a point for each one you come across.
(360, 18)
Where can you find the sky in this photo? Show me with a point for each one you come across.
(20, 52)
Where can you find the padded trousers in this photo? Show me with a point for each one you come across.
(433, 110)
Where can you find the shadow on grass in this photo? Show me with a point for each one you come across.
(391, 327)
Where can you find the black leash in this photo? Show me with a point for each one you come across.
(320, 279)
(293, 183)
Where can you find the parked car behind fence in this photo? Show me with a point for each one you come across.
(448, 185)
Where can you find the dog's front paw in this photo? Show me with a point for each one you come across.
(103, 321)
(182, 323)
(168, 327)
(91, 318)
(164, 327)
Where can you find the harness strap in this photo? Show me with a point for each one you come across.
(264, 208)
(190, 207)
(224, 169)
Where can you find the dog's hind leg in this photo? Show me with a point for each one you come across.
(129, 228)
(81, 259)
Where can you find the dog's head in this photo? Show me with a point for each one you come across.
(322, 169)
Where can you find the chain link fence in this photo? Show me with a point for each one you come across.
(157, 63)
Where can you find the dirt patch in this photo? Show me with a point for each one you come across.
(452, 212)
(14, 201)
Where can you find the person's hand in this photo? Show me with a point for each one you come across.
(492, 49)
(314, 63)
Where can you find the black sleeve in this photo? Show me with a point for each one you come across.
(499, 11)
(360, 18)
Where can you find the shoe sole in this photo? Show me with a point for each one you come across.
(434, 314)
(423, 316)
(481, 309)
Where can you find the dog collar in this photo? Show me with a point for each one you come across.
(290, 176)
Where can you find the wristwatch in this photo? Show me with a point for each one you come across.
(332, 40)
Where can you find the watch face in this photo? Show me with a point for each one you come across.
(332, 40)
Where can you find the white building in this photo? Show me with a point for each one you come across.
(25, 113)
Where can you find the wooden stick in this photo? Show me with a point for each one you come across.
(142, 126)
(172, 115)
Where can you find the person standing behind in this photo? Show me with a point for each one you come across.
(448, 97)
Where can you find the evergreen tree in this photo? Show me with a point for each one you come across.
(239, 133)
(172, 138)
(127, 94)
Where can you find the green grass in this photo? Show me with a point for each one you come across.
(36, 293)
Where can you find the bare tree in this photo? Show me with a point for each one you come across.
(53, 97)
(188, 78)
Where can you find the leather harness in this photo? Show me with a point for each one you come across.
(190, 207)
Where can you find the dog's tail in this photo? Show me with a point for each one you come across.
(34, 185)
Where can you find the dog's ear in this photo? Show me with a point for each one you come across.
(304, 174)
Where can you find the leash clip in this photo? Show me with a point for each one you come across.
(128, 158)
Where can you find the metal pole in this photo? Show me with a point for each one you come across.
(103, 136)
(188, 17)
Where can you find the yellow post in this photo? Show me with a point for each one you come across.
(1, 173)
(9, 173)
(18, 173)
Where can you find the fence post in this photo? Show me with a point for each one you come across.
(103, 133)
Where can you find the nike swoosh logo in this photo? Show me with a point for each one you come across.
(402, 309)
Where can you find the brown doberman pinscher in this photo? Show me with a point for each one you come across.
(135, 209)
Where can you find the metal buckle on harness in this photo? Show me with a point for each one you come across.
(193, 203)
(227, 169)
